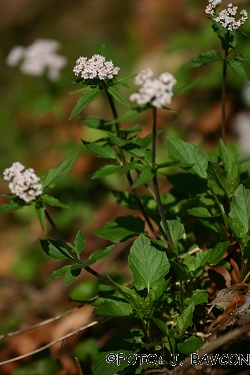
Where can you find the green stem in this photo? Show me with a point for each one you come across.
(221, 208)
(155, 184)
(223, 93)
(124, 162)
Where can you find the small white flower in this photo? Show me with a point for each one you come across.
(37, 58)
(95, 67)
(23, 182)
(226, 17)
(157, 92)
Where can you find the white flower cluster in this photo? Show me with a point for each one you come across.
(23, 182)
(158, 92)
(96, 67)
(227, 16)
(37, 58)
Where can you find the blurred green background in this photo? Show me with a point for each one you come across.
(161, 34)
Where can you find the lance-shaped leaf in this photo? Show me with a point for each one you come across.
(205, 58)
(190, 157)
(223, 179)
(176, 229)
(88, 97)
(114, 308)
(185, 319)
(57, 173)
(10, 206)
(231, 164)
(71, 272)
(97, 123)
(79, 243)
(117, 96)
(55, 249)
(52, 201)
(121, 229)
(145, 176)
(239, 70)
(100, 151)
(148, 265)
(240, 208)
(94, 257)
(199, 212)
(211, 256)
(107, 170)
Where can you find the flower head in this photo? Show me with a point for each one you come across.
(23, 182)
(157, 92)
(226, 17)
(96, 67)
(37, 58)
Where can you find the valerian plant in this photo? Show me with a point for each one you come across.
(199, 224)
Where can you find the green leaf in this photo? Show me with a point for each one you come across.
(57, 173)
(52, 201)
(211, 256)
(181, 273)
(175, 227)
(185, 319)
(40, 211)
(122, 343)
(199, 212)
(190, 345)
(100, 151)
(223, 179)
(105, 171)
(190, 157)
(57, 274)
(135, 300)
(199, 296)
(205, 58)
(79, 243)
(188, 183)
(114, 309)
(228, 39)
(145, 176)
(130, 113)
(94, 257)
(72, 273)
(231, 164)
(239, 232)
(54, 249)
(10, 206)
(162, 325)
(148, 265)
(238, 69)
(97, 123)
(117, 96)
(178, 90)
(240, 208)
(88, 97)
(242, 58)
(121, 229)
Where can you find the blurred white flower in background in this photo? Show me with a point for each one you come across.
(39, 58)
(241, 122)
(157, 92)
